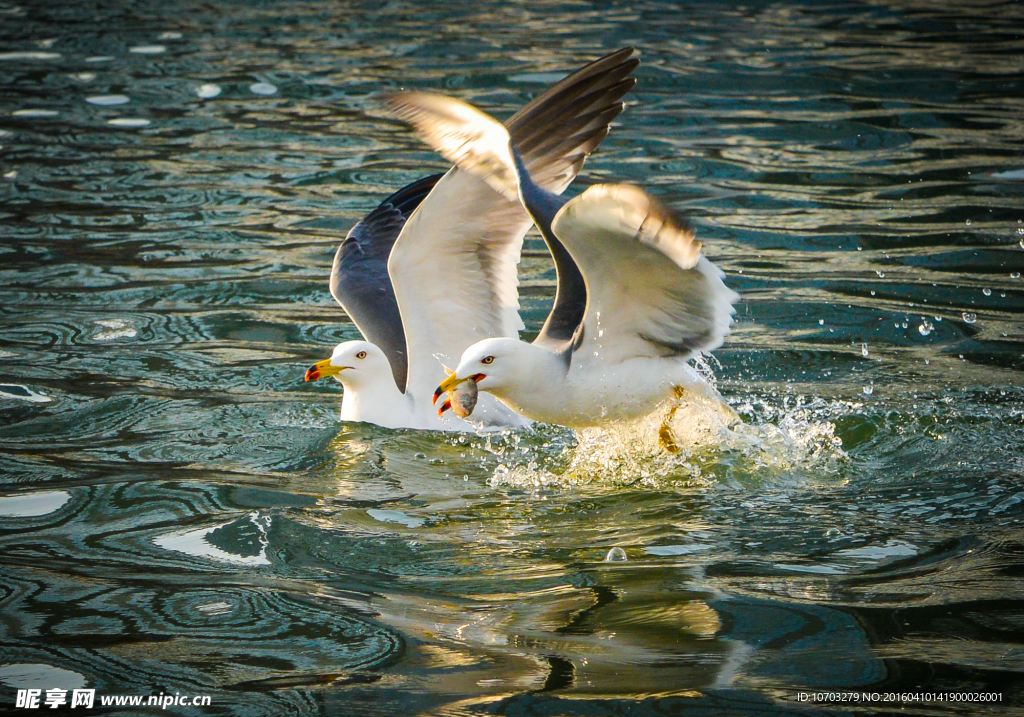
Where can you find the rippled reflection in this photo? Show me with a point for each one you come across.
(180, 512)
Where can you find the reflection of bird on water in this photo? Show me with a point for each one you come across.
(432, 270)
(635, 297)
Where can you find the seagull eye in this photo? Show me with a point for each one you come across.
(361, 354)
(487, 359)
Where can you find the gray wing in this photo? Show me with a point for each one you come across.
(360, 281)
(455, 261)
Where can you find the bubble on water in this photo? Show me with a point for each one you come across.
(970, 317)
(208, 91)
(868, 390)
(968, 222)
(904, 325)
(1015, 275)
(821, 322)
(107, 100)
(864, 350)
(926, 327)
(872, 292)
(987, 292)
(128, 122)
(616, 555)
(881, 275)
(147, 49)
(262, 88)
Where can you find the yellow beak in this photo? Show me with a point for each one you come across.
(323, 369)
(447, 385)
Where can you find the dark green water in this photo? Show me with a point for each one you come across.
(179, 512)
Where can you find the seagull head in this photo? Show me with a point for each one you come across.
(490, 363)
(352, 363)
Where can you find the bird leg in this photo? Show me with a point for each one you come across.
(666, 439)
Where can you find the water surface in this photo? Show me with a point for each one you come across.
(179, 512)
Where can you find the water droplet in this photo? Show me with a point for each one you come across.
(1015, 275)
(881, 275)
(262, 88)
(868, 390)
(970, 317)
(616, 555)
(821, 322)
(904, 325)
(987, 292)
(147, 49)
(968, 222)
(872, 292)
(926, 327)
(208, 91)
(864, 350)
(128, 122)
(107, 100)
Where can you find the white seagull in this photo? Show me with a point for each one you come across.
(433, 269)
(652, 300)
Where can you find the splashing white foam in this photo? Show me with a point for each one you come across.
(706, 443)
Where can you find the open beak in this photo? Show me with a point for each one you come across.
(447, 385)
(323, 369)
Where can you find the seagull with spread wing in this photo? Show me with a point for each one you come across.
(650, 300)
(433, 269)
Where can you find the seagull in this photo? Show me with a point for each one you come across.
(652, 301)
(433, 269)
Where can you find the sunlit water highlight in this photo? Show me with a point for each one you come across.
(180, 512)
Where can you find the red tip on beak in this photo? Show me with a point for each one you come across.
(437, 395)
(312, 374)
(444, 407)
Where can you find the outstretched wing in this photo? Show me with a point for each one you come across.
(360, 281)
(649, 290)
(454, 264)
